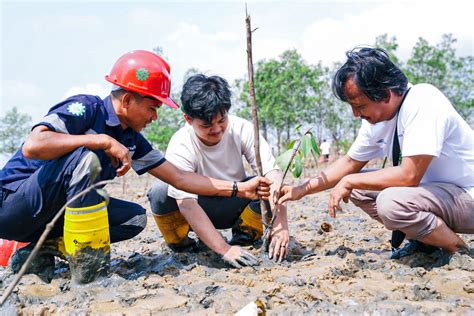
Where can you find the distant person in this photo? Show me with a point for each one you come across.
(429, 196)
(325, 150)
(53, 165)
(213, 143)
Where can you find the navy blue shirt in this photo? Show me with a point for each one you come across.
(79, 115)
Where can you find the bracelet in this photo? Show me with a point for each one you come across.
(235, 189)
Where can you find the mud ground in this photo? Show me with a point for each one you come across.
(345, 270)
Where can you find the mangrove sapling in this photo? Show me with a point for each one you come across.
(293, 159)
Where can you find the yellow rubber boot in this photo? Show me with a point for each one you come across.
(87, 242)
(248, 228)
(174, 228)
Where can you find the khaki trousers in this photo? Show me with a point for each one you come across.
(413, 210)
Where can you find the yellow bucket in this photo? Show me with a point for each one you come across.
(87, 241)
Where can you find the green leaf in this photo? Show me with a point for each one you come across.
(284, 159)
(291, 144)
(304, 146)
(298, 167)
(297, 128)
(314, 146)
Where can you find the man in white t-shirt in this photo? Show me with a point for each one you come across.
(325, 150)
(213, 143)
(429, 196)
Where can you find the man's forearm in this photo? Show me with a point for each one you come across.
(329, 177)
(192, 182)
(47, 145)
(199, 184)
(408, 174)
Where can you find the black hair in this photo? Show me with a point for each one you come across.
(373, 73)
(203, 97)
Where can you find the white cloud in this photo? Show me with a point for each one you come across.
(100, 89)
(26, 96)
(268, 48)
(328, 39)
(68, 23)
(212, 52)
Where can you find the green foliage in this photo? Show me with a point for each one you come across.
(286, 90)
(439, 65)
(305, 147)
(390, 46)
(14, 127)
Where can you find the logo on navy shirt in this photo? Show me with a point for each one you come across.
(76, 108)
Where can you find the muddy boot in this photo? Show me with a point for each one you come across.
(87, 242)
(411, 247)
(175, 229)
(247, 229)
(43, 263)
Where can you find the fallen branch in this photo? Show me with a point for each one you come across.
(42, 239)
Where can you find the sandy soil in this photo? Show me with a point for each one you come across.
(344, 271)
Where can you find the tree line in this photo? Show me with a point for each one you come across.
(292, 93)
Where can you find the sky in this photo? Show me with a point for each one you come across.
(51, 50)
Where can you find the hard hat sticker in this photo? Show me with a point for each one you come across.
(76, 108)
(142, 74)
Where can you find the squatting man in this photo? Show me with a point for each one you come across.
(429, 196)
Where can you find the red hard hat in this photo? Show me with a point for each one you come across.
(143, 72)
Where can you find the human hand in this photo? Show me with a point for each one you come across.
(340, 192)
(239, 257)
(118, 153)
(280, 238)
(291, 193)
(255, 188)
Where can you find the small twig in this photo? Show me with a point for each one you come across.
(42, 239)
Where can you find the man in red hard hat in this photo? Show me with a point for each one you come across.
(53, 165)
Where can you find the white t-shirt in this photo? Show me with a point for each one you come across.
(324, 148)
(427, 125)
(221, 161)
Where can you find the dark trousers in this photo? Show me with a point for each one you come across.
(25, 212)
(222, 211)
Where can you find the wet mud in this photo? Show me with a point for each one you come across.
(335, 266)
(89, 264)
